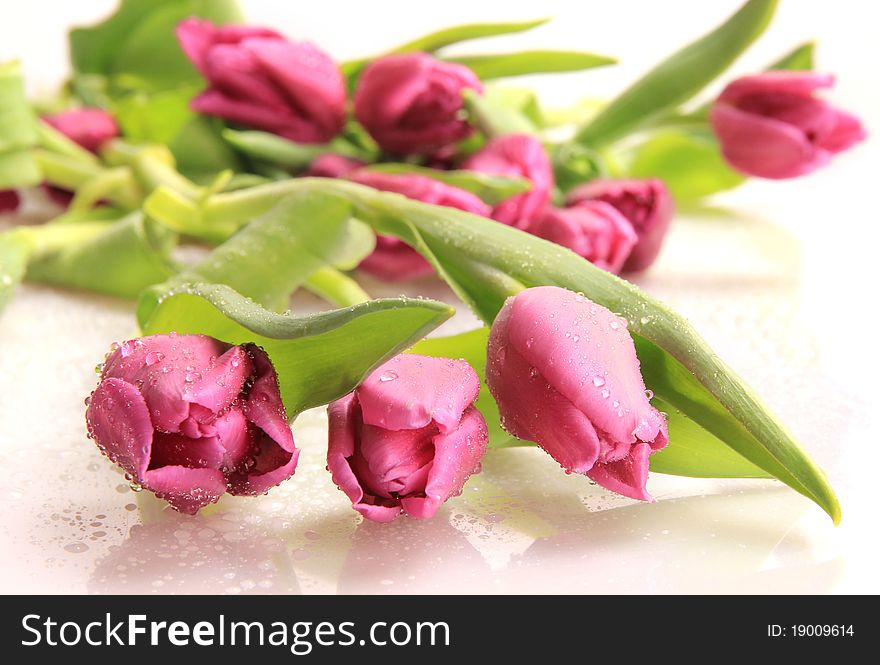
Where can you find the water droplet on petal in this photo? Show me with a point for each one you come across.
(385, 377)
(598, 381)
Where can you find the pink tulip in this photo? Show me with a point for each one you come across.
(518, 156)
(565, 375)
(394, 260)
(189, 417)
(9, 201)
(408, 437)
(412, 103)
(89, 127)
(333, 166)
(592, 229)
(259, 79)
(771, 126)
(648, 206)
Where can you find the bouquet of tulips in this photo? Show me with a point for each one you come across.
(183, 124)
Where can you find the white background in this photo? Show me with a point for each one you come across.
(782, 287)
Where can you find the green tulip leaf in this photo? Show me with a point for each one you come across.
(284, 152)
(120, 258)
(136, 47)
(18, 131)
(318, 358)
(500, 65)
(485, 262)
(435, 41)
(689, 162)
(679, 77)
(277, 252)
(492, 189)
(801, 58)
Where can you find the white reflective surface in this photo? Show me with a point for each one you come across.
(780, 287)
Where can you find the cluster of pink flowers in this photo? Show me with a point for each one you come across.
(190, 418)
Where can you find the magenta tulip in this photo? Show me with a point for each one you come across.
(565, 375)
(258, 79)
(408, 437)
(772, 126)
(394, 260)
(592, 229)
(648, 206)
(9, 201)
(412, 103)
(189, 418)
(333, 166)
(518, 156)
(89, 127)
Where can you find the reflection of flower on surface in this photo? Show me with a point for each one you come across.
(216, 554)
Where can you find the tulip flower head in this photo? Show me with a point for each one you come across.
(88, 127)
(594, 230)
(517, 156)
(408, 437)
(412, 103)
(772, 126)
(189, 418)
(648, 206)
(259, 79)
(394, 260)
(565, 375)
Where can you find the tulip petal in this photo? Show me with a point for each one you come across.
(165, 368)
(586, 353)
(187, 490)
(221, 384)
(409, 391)
(344, 419)
(533, 410)
(395, 261)
(792, 83)
(457, 456)
(309, 80)
(180, 450)
(197, 36)
(392, 457)
(765, 147)
(276, 456)
(847, 131)
(627, 476)
(234, 437)
(119, 422)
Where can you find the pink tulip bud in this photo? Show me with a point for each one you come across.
(565, 375)
(648, 206)
(394, 260)
(592, 229)
(9, 201)
(771, 126)
(517, 156)
(408, 437)
(333, 166)
(88, 127)
(259, 79)
(189, 417)
(412, 103)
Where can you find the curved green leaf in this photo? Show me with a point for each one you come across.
(689, 162)
(136, 46)
(18, 131)
(439, 39)
(490, 188)
(318, 358)
(120, 258)
(500, 65)
(485, 262)
(284, 152)
(274, 254)
(681, 76)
